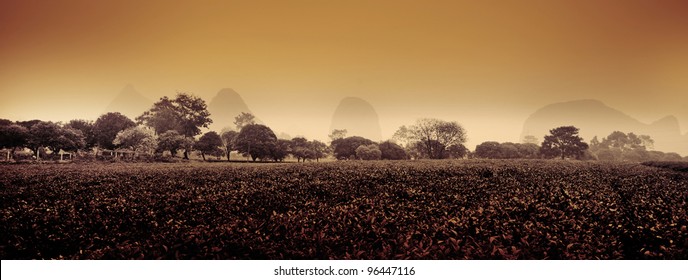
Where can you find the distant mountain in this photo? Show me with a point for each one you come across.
(224, 107)
(594, 118)
(358, 117)
(129, 102)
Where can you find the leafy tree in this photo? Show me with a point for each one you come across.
(280, 149)
(107, 126)
(457, 151)
(300, 149)
(392, 151)
(489, 149)
(13, 136)
(368, 152)
(256, 141)
(54, 137)
(210, 143)
(528, 150)
(244, 119)
(68, 139)
(86, 128)
(433, 136)
(319, 149)
(138, 139)
(337, 134)
(42, 135)
(185, 114)
(228, 141)
(172, 141)
(345, 148)
(563, 142)
(507, 150)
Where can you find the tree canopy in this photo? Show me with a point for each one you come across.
(107, 126)
(345, 148)
(209, 144)
(432, 137)
(256, 141)
(138, 139)
(563, 142)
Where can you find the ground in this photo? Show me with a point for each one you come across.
(449, 209)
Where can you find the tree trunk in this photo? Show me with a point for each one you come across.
(203, 155)
(186, 154)
(228, 152)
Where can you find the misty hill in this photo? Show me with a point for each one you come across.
(129, 102)
(358, 117)
(594, 118)
(224, 107)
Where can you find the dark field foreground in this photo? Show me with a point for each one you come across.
(344, 210)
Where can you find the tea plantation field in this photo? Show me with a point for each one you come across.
(465, 209)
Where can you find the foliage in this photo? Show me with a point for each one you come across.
(210, 143)
(431, 137)
(620, 146)
(280, 149)
(172, 141)
(474, 209)
(337, 134)
(138, 139)
(13, 136)
(228, 141)
(507, 150)
(107, 126)
(185, 114)
(457, 151)
(392, 151)
(563, 142)
(244, 119)
(86, 128)
(256, 141)
(368, 152)
(345, 148)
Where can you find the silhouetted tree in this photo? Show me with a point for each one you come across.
(345, 148)
(42, 135)
(300, 149)
(244, 119)
(172, 141)
(433, 136)
(368, 152)
(86, 128)
(489, 149)
(280, 149)
(563, 142)
(12, 136)
(319, 149)
(185, 114)
(392, 151)
(256, 141)
(228, 141)
(457, 151)
(337, 134)
(107, 126)
(210, 143)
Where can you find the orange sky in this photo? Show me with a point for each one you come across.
(485, 64)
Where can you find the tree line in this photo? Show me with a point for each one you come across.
(172, 125)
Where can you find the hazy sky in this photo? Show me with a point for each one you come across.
(485, 64)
